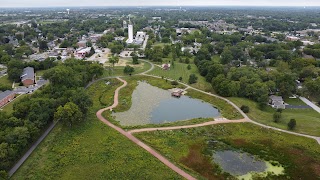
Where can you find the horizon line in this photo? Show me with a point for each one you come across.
(143, 6)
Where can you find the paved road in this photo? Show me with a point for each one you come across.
(28, 153)
(224, 121)
(309, 103)
(242, 113)
(134, 139)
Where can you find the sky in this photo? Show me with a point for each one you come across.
(73, 3)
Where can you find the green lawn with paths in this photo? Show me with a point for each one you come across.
(180, 70)
(308, 120)
(92, 150)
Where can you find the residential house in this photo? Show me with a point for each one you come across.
(6, 97)
(82, 44)
(277, 102)
(28, 77)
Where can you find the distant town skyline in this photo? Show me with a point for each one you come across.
(75, 3)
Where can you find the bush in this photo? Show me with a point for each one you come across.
(128, 70)
(276, 117)
(245, 108)
(193, 79)
(174, 83)
(292, 124)
(189, 67)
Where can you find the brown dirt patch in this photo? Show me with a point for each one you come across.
(200, 163)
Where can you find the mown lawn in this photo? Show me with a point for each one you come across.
(308, 120)
(299, 156)
(118, 70)
(92, 150)
(294, 101)
(5, 81)
(180, 70)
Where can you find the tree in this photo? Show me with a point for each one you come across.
(193, 79)
(15, 68)
(135, 59)
(226, 56)
(180, 78)
(189, 67)
(245, 108)
(276, 117)
(128, 70)
(95, 70)
(292, 124)
(69, 114)
(43, 45)
(114, 59)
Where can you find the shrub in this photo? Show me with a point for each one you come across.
(193, 79)
(189, 67)
(174, 83)
(276, 117)
(245, 108)
(292, 124)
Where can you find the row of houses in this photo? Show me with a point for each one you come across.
(27, 78)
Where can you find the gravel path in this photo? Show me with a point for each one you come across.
(137, 141)
(242, 113)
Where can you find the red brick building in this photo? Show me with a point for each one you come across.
(6, 97)
(27, 77)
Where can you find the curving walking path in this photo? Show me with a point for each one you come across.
(136, 140)
(242, 113)
(224, 121)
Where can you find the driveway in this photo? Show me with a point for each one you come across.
(297, 107)
(309, 103)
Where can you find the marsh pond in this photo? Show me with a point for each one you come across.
(152, 105)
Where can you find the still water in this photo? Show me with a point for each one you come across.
(152, 105)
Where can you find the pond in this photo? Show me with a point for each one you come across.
(152, 105)
(245, 165)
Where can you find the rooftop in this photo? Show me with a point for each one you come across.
(5, 94)
(28, 73)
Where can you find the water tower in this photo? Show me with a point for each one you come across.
(68, 11)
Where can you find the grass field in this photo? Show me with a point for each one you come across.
(180, 70)
(118, 70)
(5, 81)
(92, 150)
(299, 156)
(294, 101)
(308, 120)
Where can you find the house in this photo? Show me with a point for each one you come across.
(292, 38)
(277, 102)
(27, 77)
(81, 52)
(82, 44)
(6, 97)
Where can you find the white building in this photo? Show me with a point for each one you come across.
(130, 33)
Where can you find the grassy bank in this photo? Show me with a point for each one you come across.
(225, 109)
(5, 81)
(180, 70)
(188, 147)
(308, 120)
(92, 150)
